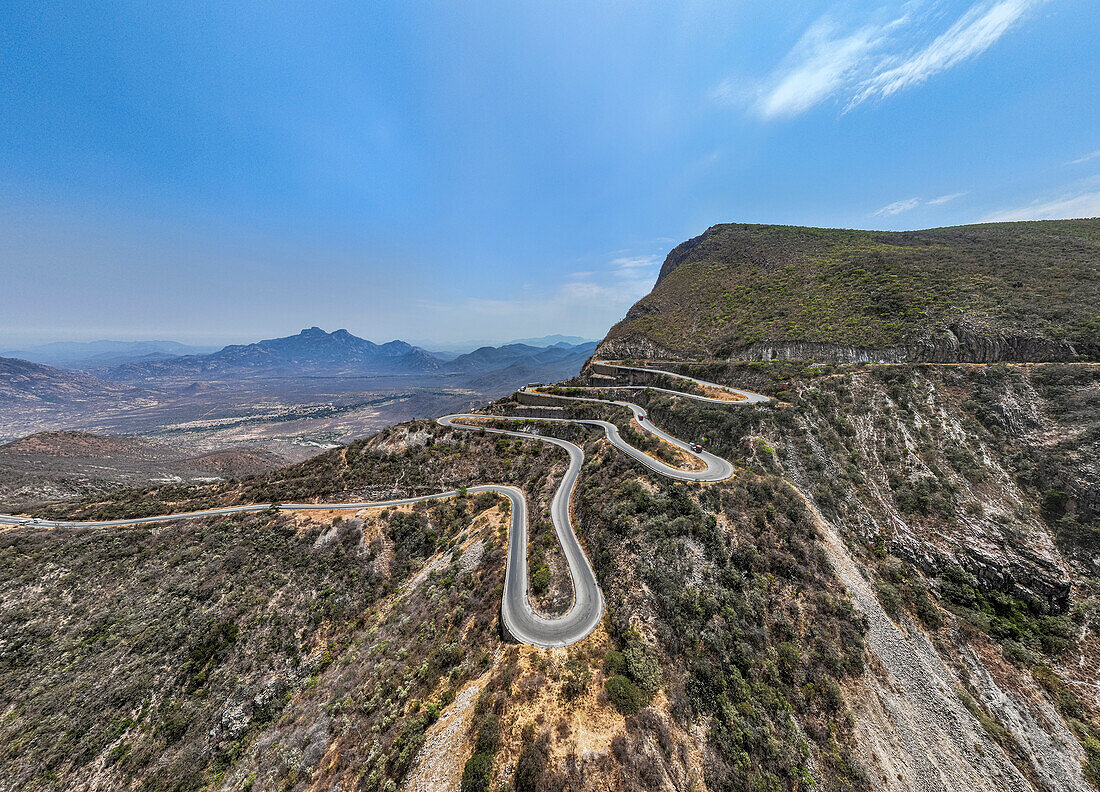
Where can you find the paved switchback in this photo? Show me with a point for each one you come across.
(517, 614)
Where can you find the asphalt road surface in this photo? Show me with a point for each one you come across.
(519, 618)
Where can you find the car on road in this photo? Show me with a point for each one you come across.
(696, 447)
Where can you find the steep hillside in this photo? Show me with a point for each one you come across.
(864, 606)
(1002, 291)
(861, 597)
(959, 504)
(194, 656)
(330, 666)
(961, 507)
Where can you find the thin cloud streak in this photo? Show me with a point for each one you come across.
(817, 67)
(975, 32)
(634, 262)
(874, 61)
(1084, 159)
(897, 207)
(908, 204)
(1064, 208)
(588, 301)
(945, 199)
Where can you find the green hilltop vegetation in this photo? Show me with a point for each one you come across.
(979, 293)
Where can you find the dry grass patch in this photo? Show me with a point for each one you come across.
(673, 455)
(712, 392)
(581, 724)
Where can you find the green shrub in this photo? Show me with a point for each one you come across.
(1054, 504)
(789, 656)
(614, 663)
(1092, 760)
(925, 607)
(643, 667)
(488, 735)
(627, 697)
(173, 727)
(540, 580)
(888, 597)
(478, 773)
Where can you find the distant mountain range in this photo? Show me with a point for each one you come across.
(99, 354)
(310, 385)
(554, 340)
(312, 352)
(450, 351)
(493, 358)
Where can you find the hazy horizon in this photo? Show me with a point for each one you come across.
(425, 343)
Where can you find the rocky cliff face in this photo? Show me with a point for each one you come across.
(957, 504)
(960, 343)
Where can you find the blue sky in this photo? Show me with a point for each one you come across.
(224, 172)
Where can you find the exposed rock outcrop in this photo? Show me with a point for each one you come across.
(960, 343)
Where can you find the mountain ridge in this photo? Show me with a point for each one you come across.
(25, 383)
(982, 293)
(310, 352)
(490, 358)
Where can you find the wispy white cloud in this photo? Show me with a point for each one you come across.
(971, 35)
(586, 301)
(635, 262)
(1085, 204)
(819, 65)
(945, 198)
(1085, 158)
(625, 280)
(873, 60)
(897, 207)
(908, 204)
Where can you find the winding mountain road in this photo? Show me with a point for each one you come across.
(747, 397)
(518, 616)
